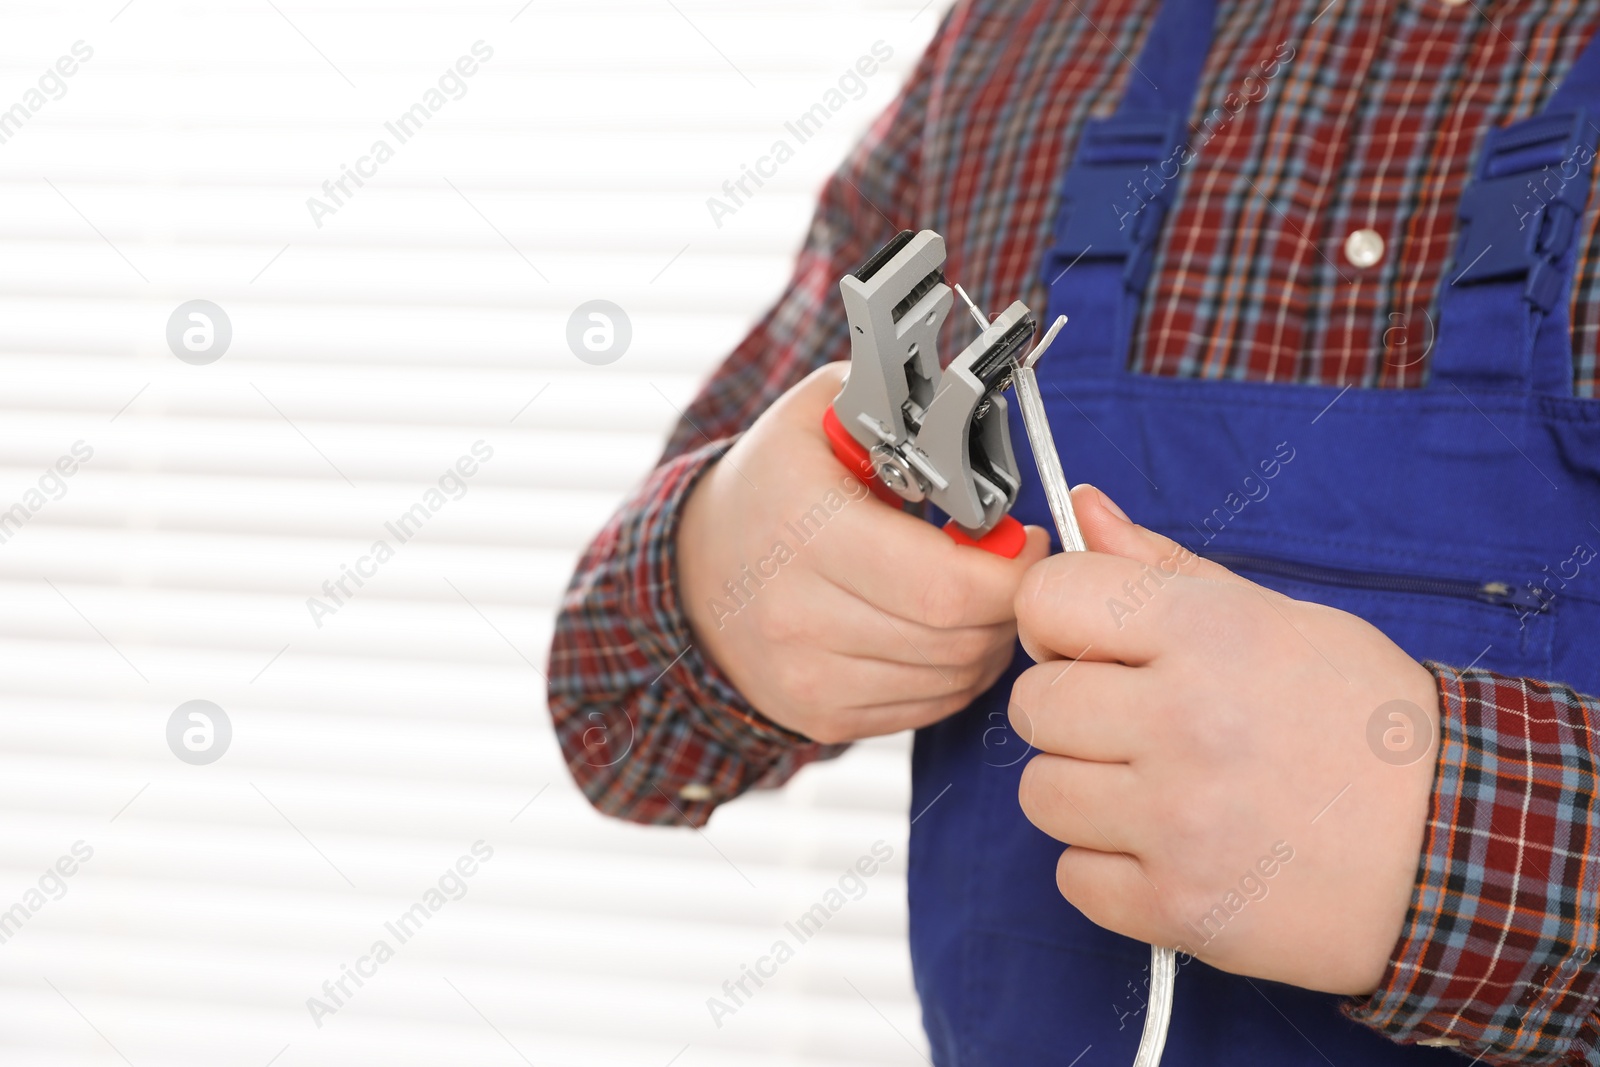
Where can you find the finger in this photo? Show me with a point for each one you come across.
(897, 560)
(847, 624)
(1114, 891)
(806, 610)
(1084, 709)
(1106, 528)
(1097, 805)
(793, 423)
(827, 718)
(1158, 561)
(806, 401)
(842, 681)
(911, 569)
(1088, 605)
(883, 719)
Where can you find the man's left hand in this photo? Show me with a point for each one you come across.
(1205, 750)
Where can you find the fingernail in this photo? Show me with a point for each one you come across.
(1111, 505)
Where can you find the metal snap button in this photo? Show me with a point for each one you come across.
(1363, 248)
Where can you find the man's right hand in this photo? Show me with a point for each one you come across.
(835, 614)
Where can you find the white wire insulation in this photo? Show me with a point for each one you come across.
(1158, 1008)
(1045, 458)
(1163, 961)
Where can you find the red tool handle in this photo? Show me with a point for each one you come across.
(1007, 539)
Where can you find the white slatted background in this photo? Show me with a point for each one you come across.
(367, 356)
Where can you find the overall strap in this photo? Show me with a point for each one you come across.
(1115, 195)
(1504, 303)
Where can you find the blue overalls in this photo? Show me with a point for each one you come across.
(1429, 512)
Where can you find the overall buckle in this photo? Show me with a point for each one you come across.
(1519, 216)
(1116, 194)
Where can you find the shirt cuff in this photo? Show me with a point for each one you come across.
(1497, 956)
(689, 741)
(661, 625)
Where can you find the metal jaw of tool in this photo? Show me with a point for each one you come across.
(940, 436)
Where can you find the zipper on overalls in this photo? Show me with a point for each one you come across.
(1502, 594)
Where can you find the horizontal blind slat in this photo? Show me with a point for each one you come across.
(369, 353)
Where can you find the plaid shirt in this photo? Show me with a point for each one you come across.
(1372, 115)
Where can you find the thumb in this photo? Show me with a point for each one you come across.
(1107, 528)
(816, 390)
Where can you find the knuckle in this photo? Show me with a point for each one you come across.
(1026, 601)
(932, 605)
(1039, 592)
(944, 603)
